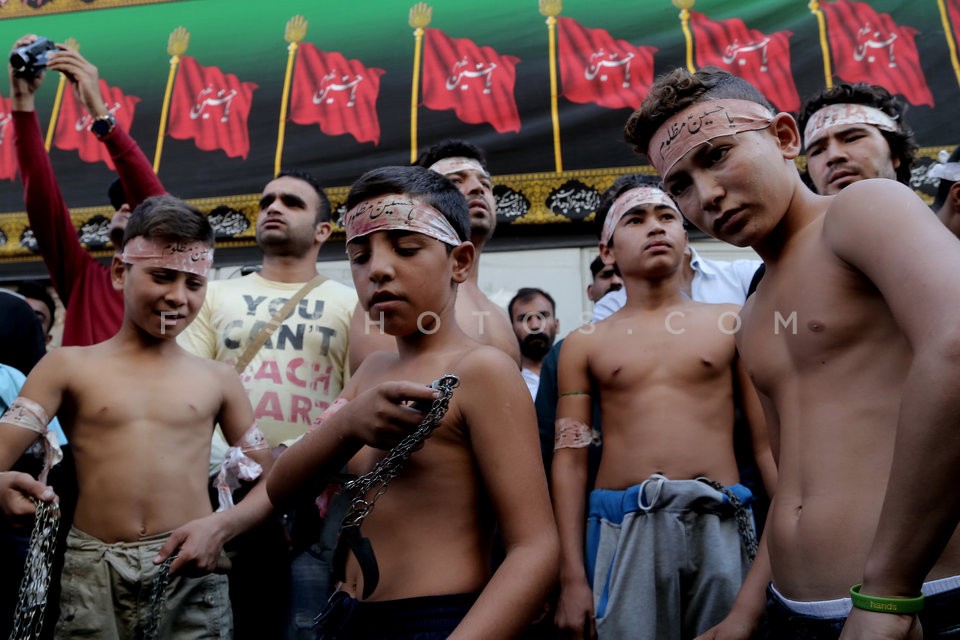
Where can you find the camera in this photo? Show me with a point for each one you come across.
(30, 60)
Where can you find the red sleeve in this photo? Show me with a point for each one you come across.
(65, 257)
(135, 171)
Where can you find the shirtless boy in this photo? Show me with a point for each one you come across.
(853, 344)
(431, 531)
(465, 165)
(665, 554)
(140, 428)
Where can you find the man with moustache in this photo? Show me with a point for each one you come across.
(533, 314)
(297, 373)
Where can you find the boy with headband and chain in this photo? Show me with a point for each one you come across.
(669, 536)
(429, 537)
(140, 429)
(852, 341)
(465, 165)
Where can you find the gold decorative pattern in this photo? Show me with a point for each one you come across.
(296, 29)
(551, 8)
(15, 9)
(178, 42)
(420, 15)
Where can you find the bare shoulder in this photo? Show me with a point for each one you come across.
(863, 205)
(222, 370)
(882, 226)
(484, 360)
(67, 355)
(586, 335)
(372, 371)
(713, 308)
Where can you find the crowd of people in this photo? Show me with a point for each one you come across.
(727, 450)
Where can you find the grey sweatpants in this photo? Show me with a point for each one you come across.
(664, 558)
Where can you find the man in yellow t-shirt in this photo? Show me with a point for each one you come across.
(292, 378)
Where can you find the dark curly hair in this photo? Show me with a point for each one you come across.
(902, 144)
(673, 92)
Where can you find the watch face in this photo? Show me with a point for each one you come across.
(103, 126)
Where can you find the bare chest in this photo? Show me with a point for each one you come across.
(679, 347)
(119, 397)
(811, 317)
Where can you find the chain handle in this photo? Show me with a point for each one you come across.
(158, 595)
(37, 572)
(391, 464)
(744, 520)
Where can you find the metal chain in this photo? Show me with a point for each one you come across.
(158, 595)
(391, 464)
(37, 571)
(744, 520)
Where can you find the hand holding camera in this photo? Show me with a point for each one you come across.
(31, 56)
(30, 60)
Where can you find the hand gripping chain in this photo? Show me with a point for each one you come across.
(377, 480)
(32, 601)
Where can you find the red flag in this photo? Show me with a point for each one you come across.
(211, 107)
(476, 82)
(73, 123)
(8, 155)
(338, 94)
(871, 47)
(953, 12)
(762, 60)
(596, 68)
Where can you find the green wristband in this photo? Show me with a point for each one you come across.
(885, 605)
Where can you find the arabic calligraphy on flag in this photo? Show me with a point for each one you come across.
(73, 123)
(8, 156)
(338, 94)
(867, 46)
(212, 108)
(594, 67)
(761, 59)
(476, 82)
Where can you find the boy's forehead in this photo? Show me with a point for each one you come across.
(699, 123)
(636, 200)
(398, 212)
(193, 257)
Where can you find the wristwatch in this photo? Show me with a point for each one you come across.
(103, 125)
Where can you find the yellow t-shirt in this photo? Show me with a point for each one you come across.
(302, 367)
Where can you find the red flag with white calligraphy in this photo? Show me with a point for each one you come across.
(867, 46)
(594, 67)
(338, 94)
(73, 123)
(8, 155)
(476, 82)
(212, 108)
(761, 59)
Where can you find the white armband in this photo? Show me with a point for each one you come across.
(570, 433)
(27, 414)
(238, 466)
